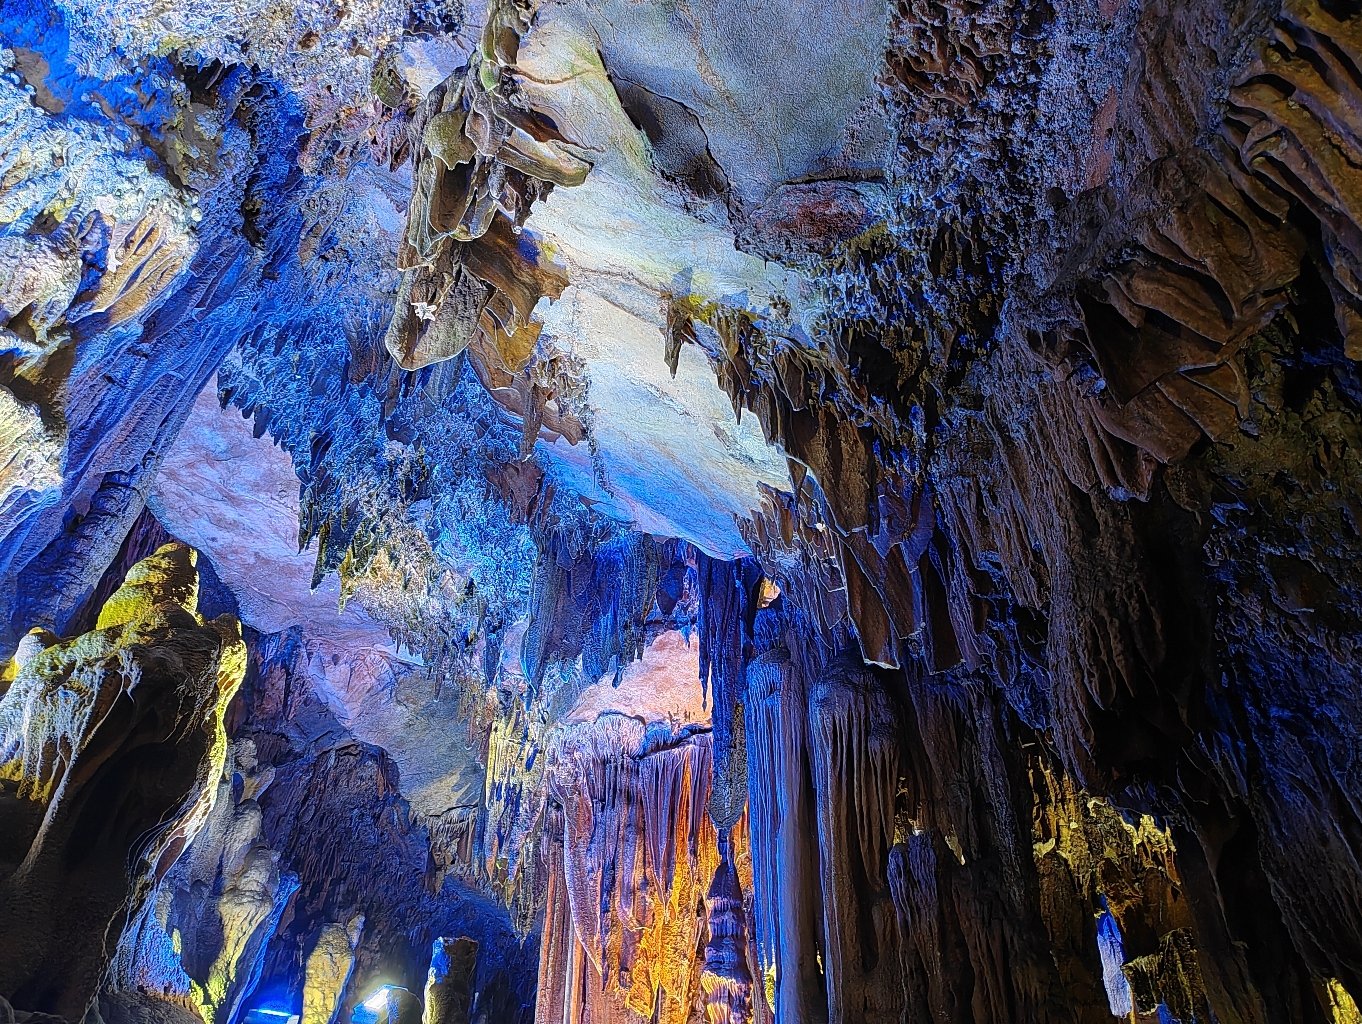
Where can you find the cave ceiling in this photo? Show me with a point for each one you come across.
(680, 513)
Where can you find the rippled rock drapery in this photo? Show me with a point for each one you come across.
(781, 804)
(112, 743)
(201, 934)
(482, 157)
(855, 770)
(645, 916)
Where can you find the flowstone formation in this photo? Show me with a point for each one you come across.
(110, 746)
(610, 513)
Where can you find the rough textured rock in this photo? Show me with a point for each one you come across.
(326, 974)
(201, 934)
(111, 746)
(449, 986)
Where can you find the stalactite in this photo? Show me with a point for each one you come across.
(590, 600)
(784, 829)
(855, 748)
(1072, 438)
(625, 914)
(933, 954)
(728, 607)
(966, 820)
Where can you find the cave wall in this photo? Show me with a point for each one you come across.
(113, 742)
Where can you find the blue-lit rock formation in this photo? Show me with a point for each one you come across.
(834, 513)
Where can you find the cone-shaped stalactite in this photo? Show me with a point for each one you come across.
(729, 593)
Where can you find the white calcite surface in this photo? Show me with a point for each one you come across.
(235, 498)
(662, 686)
(673, 458)
(784, 90)
(670, 454)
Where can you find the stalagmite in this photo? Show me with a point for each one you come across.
(725, 979)
(449, 985)
(328, 969)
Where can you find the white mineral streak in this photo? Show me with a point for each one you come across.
(30, 457)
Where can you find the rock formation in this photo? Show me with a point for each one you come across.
(628, 873)
(201, 933)
(449, 987)
(726, 976)
(327, 970)
(111, 745)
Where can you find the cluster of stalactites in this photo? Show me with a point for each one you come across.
(883, 858)
(592, 601)
(635, 856)
(824, 763)
(478, 151)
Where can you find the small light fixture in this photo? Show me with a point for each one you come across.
(267, 1015)
(387, 1004)
(379, 999)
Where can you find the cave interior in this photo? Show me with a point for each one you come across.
(708, 512)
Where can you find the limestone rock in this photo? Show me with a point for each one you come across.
(328, 969)
(112, 743)
(449, 986)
